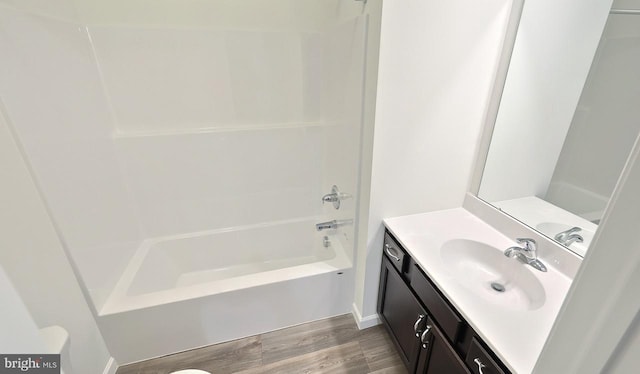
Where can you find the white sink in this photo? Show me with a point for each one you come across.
(489, 274)
(463, 256)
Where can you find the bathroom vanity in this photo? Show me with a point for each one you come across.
(430, 334)
(546, 167)
(437, 301)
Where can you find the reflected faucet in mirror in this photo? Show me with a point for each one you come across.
(578, 119)
(569, 237)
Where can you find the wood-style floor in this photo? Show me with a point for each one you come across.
(333, 345)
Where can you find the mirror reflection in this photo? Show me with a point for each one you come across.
(567, 121)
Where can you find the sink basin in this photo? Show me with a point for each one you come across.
(489, 274)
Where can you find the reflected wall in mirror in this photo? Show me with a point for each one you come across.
(568, 118)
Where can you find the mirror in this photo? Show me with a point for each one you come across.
(568, 117)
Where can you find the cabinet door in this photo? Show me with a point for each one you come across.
(437, 355)
(480, 361)
(401, 313)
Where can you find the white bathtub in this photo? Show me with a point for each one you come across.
(190, 290)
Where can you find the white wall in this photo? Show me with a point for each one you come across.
(598, 317)
(167, 79)
(626, 4)
(53, 97)
(63, 10)
(35, 261)
(607, 326)
(307, 15)
(553, 51)
(605, 124)
(437, 66)
(194, 182)
(19, 331)
(626, 359)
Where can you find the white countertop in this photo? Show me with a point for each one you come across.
(515, 336)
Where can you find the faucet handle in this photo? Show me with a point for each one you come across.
(330, 198)
(335, 197)
(529, 244)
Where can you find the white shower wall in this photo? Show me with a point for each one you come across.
(196, 182)
(52, 97)
(225, 128)
(173, 79)
(166, 123)
(535, 114)
(605, 124)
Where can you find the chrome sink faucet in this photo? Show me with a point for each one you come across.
(569, 237)
(527, 253)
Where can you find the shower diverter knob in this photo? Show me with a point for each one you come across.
(335, 197)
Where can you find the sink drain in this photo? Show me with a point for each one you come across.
(497, 287)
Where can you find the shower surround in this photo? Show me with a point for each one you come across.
(192, 142)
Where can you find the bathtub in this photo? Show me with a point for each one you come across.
(186, 291)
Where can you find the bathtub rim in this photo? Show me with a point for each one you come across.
(119, 301)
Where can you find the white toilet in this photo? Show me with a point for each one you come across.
(190, 371)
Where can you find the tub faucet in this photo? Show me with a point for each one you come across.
(332, 225)
(527, 253)
(327, 225)
(570, 236)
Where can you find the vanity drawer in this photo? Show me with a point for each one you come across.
(478, 358)
(450, 324)
(397, 256)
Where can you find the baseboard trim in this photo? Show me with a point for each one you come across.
(112, 366)
(364, 322)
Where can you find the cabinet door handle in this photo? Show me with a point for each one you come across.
(388, 249)
(480, 365)
(424, 338)
(416, 326)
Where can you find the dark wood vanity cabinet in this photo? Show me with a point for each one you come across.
(437, 355)
(401, 313)
(431, 336)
